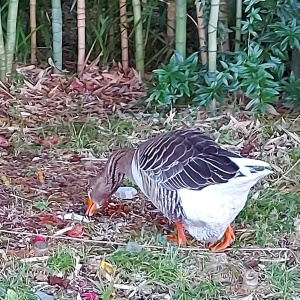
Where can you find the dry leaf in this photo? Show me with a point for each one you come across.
(50, 220)
(77, 231)
(41, 177)
(49, 141)
(5, 180)
(53, 280)
(23, 253)
(106, 267)
(4, 142)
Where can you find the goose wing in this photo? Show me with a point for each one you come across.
(185, 159)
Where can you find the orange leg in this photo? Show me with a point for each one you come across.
(228, 239)
(181, 238)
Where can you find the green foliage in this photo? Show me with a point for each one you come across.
(175, 82)
(290, 87)
(262, 69)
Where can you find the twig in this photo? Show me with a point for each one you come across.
(20, 198)
(196, 249)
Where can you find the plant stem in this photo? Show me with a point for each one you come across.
(212, 41)
(171, 21)
(124, 34)
(33, 31)
(2, 55)
(295, 63)
(57, 34)
(11, 35)
(238, 25)
(81, 34)
(139, 46)
(180, 34)
(224, 46)
(201, 32)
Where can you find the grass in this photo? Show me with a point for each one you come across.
(283, 280)
(61, 261)
(263, 215)
(150, 272)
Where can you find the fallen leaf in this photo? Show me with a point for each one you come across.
(49, 141)
(53, 280)
(5, 180)
(50, 220)
(90, 295)
(106, 267)
(247, 149)
(41, 277)
(77, 231)
(41, 177)
(23, 253)
(4, 142)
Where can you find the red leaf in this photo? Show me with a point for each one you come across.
(247, 149)
(50, 220)
(77, 85)
(53, 280)
(4, 142)
(90, 295)
(77, 231)
(49, 140)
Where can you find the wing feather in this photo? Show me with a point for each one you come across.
(185, 159)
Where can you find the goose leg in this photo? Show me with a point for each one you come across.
(228, 239)
(181, 238)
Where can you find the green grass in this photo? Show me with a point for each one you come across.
(179, 274)
(15, 282)
(283, 280)
(271, 216)
(61, 261)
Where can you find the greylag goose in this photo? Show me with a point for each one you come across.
(189, 178)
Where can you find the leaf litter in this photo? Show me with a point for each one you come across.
(58, 177)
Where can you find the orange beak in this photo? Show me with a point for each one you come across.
(91, 207)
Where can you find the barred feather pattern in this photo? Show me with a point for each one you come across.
(185, 159)
(167, 201)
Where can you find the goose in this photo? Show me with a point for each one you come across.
(193, 181)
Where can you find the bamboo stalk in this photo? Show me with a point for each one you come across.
(81, 35)
(124, 34)
(57, 34)
(225, 46)
(180, 33)
(111, 32)
(33, 31)
(212, 41)
(2, 55)
(11, 35)
(139, 46)
(201, 32)
(171, 22)
(238, 25)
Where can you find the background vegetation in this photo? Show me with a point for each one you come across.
(224, 51)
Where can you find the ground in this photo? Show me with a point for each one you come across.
(48, 153)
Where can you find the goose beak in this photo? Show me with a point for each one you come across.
(91, 207)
